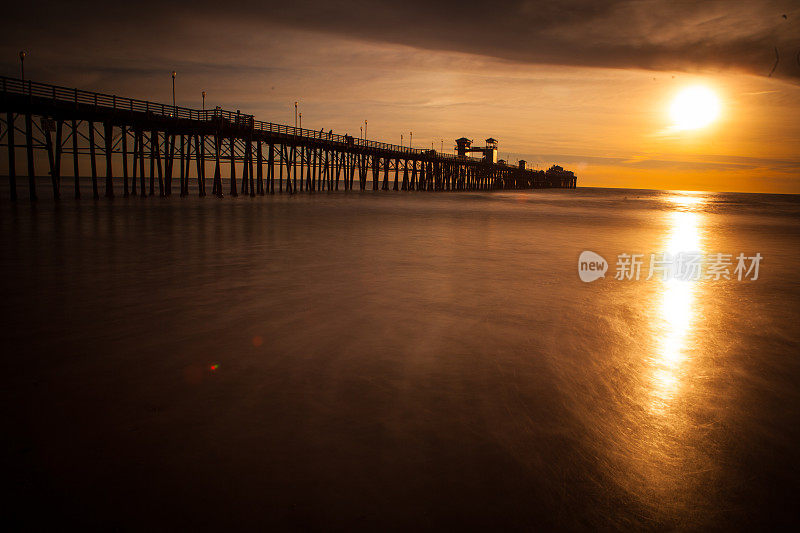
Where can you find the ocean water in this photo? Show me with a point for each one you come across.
(399, 361)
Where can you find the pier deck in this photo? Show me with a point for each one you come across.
(149, 142)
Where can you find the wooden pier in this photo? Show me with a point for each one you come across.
(149, 148)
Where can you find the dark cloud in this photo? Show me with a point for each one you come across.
(650, 34)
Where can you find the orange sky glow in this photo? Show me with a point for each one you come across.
(612, 126)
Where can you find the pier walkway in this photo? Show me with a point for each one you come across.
(163, 147)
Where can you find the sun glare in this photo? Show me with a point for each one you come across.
(694, 107)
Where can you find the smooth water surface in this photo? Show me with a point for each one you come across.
(399, 360)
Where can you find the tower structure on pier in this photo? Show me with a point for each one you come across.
(464, 147)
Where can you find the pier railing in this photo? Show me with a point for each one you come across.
(66, 95)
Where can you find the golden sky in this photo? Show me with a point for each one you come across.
(607, 118)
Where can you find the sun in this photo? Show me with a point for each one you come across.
(694, 107)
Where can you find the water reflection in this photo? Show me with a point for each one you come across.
(677, 308)
(682, 200)
(664, 467)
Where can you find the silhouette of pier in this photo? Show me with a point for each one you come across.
(149, 147)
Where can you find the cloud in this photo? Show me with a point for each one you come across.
(694, 163)
(650, 34)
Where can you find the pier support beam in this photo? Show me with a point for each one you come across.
(217, 188)
(233, 167)
(200, 156)
(75, 167)
(271, 168)
(169, 161)
(108, 137)
(125, 161)
(245, 169)
(29, 153)
(142, 191)
(93, 161)
(153, 144)
(259, 170)
(12, 165)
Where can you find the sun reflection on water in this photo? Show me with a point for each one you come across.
(686, 201)
(658, 454)
(678, 308)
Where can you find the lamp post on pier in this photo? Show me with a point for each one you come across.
(301, 120)
(203, 94)
(22, 54)
(295, 115)
(410, 139)
(365, 129)
(174, 109)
